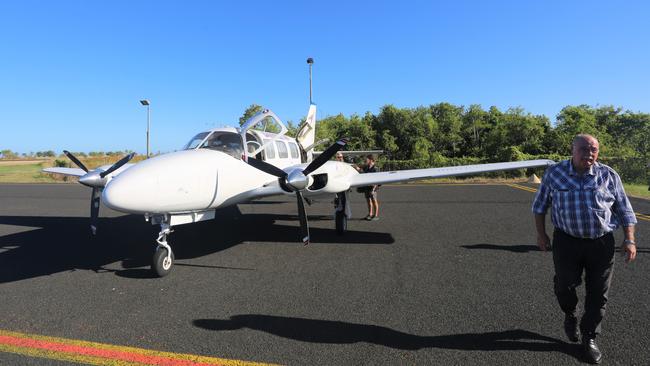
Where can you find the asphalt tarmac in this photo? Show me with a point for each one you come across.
(450, 275)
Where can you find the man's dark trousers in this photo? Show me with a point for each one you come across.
(572, 256)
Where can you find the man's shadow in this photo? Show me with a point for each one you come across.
(337, 332)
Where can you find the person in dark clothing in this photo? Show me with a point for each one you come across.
(370, 192)
(587, 203)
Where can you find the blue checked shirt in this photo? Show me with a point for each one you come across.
(587, 206)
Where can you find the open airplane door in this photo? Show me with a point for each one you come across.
(264, 116)
(307, 134)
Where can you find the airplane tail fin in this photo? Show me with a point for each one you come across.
(307, 133)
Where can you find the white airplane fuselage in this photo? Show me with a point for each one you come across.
(203, 179)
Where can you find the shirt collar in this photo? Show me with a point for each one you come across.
(573, 172)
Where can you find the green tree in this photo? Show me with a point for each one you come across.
(8, 154)
(448, 118)
(252, 110)
(573, 120)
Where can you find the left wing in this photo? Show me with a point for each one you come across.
(369, 179)
(75, 172)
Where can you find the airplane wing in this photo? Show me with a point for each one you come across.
(369, 179)
(75, 172)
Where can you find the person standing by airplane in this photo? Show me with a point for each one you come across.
(587, 204)
(370, 192)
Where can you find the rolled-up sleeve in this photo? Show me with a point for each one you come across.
(622, 207)
(542, 197)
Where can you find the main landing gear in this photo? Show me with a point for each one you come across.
(340, 213)
(163, 257)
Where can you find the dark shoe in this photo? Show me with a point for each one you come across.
(368, 218)
(592, 353)
(571, 328)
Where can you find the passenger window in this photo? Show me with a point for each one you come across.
(269, 150)
(282, 150)
(294, 150)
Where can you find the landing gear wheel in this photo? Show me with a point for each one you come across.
(161, 264)
(341, 222)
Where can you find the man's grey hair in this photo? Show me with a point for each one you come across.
(582, 137)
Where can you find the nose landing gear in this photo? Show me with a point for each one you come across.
(163, 257)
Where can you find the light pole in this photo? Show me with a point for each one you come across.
(145, 102)
(310, 61)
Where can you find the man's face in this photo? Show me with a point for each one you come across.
(584, 153)
(368, 161)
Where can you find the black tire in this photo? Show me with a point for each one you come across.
(341, 222)
(158, 265)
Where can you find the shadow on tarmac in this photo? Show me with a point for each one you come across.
(328, 331)
(58, 244)
(523, 248)
(510, 248)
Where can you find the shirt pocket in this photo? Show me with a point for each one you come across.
(603, 199)
(601, 216)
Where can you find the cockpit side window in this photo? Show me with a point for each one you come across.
(226, 142)
(195, 141)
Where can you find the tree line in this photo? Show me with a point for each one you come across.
(446, 134)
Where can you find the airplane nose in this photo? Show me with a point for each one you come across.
(176, 182)
(125, 195)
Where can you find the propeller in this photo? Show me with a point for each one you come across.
(297, 180)
(75, 160)
(96, 180)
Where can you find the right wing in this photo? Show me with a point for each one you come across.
(75, 172)
(369, 179)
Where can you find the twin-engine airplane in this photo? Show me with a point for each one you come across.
(227, 166)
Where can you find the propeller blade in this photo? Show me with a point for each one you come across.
(325, 156)
(266, 167)
(117, 165)
(304, 225)
(75, 160)
(94, 209)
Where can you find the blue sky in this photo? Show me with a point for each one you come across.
(72, 72)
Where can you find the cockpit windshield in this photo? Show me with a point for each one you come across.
(226, 142)
(195, 141)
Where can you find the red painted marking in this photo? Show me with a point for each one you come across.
(97, 352)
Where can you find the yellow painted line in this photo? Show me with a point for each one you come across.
(524, 188)
(93, 353)
(642, 216)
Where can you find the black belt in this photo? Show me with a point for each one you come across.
(578, 238)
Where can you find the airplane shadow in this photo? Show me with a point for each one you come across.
(338, 332)
(57, 244)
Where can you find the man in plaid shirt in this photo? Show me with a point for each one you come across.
(587, 204)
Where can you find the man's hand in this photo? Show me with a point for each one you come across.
(543, 242)
(630, 249)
